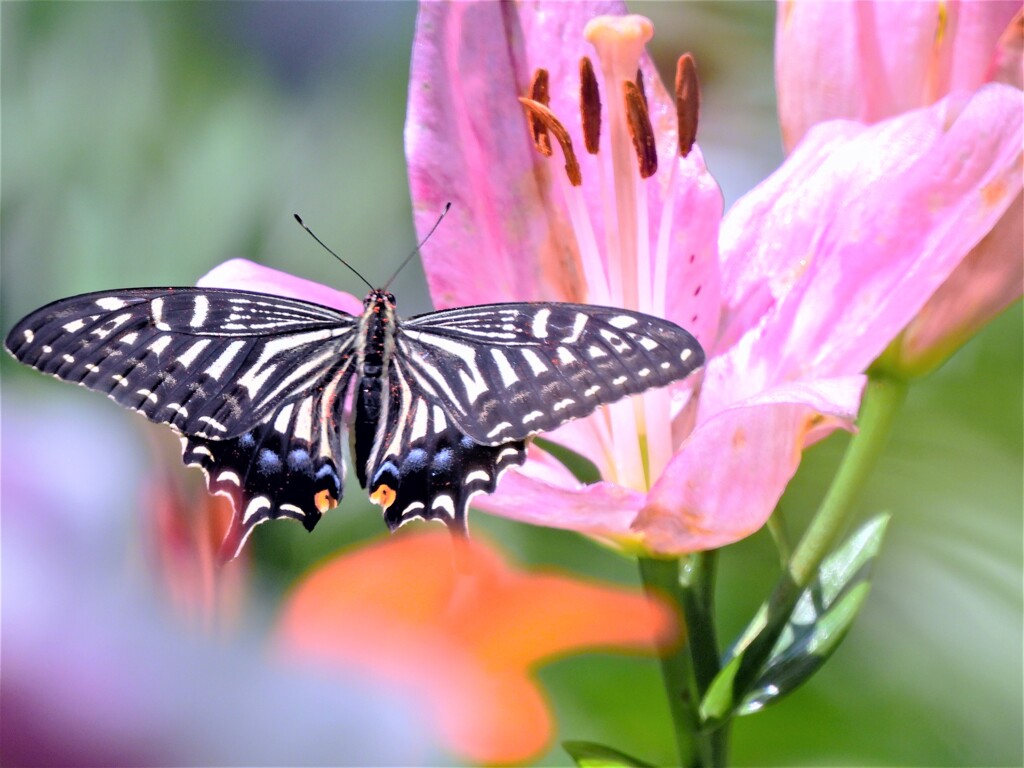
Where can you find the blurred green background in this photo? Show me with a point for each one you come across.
(142, 144)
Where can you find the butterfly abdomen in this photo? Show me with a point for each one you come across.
(377, 327)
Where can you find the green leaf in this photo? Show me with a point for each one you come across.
(812, 630)
(719, 702)
(587, 754)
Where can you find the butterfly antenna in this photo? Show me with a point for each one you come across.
(311, 234)
(416, 250)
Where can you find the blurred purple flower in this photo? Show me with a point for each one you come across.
(95, 671)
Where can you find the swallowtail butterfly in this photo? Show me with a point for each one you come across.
(256, 385)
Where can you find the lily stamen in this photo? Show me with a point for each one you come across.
(640, 130)
(539, 92)
(590, 106)
(546, 117)
(687, 102)
(639, 80)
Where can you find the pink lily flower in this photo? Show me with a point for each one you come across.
(793, 294)
(810, 277)
(873, 60)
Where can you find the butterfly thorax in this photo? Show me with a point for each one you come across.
(374, 349)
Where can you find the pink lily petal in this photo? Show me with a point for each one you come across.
(1008, 65)
(732, 470)
(832, 256)
(871, 60)
(986, 282)
(245, 275)
(544, 492)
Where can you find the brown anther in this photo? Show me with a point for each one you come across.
(539, 93)
(640, 85)
(640, 129)
(687, 102)
(590, 106)
(537, 111)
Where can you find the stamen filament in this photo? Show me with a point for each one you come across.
(586, 240)
(606, 217)
(662, 250)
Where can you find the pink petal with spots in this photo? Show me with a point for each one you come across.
(245, 275)
(467, 141)
(871, 60)
(692, 215)
(830, 258)
(730, 473)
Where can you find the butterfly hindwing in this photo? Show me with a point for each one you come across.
(290, 465)
(507, 371)
(423, 465)
(209, 362)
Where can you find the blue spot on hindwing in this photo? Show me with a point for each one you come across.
(298, 459)
(416, 461)
(268, 462)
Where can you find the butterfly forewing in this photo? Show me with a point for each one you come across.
(507, 371)
(211, 363)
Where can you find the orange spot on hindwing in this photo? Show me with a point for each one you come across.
(384, 496)
(324, 501)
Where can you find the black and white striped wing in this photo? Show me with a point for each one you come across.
(423, 465)
(507, 371)
(288, 466)
(255, 383)
(211, 363)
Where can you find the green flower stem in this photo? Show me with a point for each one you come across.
(688, 668)
(776, 526)
(697, 582)
(881, 402)
(698, 602)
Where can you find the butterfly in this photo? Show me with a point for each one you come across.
(256, 386)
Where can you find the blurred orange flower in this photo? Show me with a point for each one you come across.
(462, 629)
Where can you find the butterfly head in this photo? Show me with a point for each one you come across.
(378, 300)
